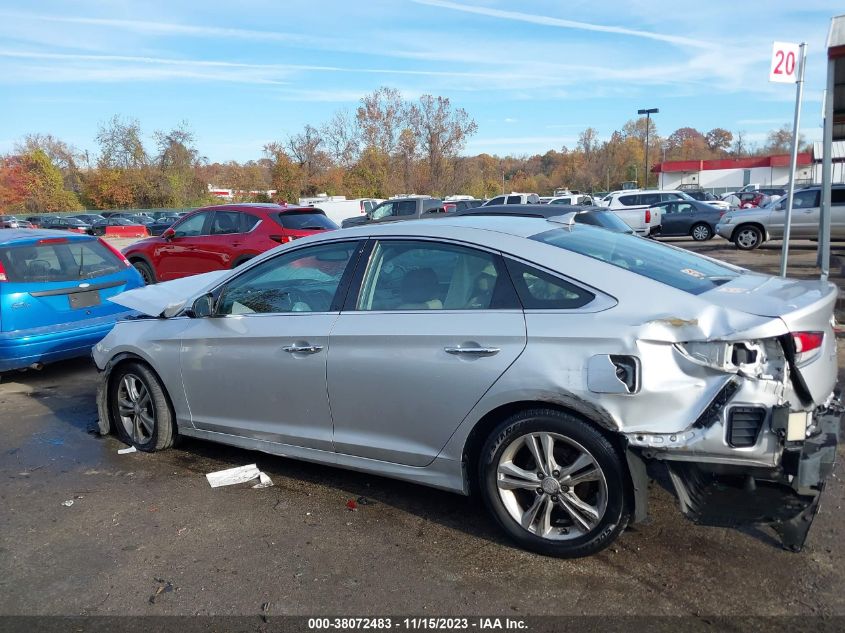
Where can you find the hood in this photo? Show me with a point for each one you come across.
(168, 298)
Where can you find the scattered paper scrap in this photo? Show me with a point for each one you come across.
(125, 451)
(239, 475)
(67, 503)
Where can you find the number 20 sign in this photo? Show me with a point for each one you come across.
(785, 60)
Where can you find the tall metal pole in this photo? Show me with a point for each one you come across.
(823, 259)
(793, 161)
(647, 121)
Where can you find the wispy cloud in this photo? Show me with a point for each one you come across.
(566, 24)
(760, 121)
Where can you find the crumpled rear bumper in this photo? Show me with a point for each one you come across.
(786, 498)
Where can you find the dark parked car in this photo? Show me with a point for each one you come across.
(688, 217)
(35, 220)
(162, 223)
(89, 218)
(593, 215)
(462, 205)
(64, 223)
(99, 227)
(221, 237)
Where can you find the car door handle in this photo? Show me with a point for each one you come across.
(472, 351)
(302, 349)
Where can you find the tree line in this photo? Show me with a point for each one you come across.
(385, 146)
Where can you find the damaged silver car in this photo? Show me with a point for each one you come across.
(540, 363)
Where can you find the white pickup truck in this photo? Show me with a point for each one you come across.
(635, 208)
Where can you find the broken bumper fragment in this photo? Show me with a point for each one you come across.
(724, 492)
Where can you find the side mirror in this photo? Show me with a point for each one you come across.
(203, 307)
(168, 234)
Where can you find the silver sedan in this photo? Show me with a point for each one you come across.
(539, 363)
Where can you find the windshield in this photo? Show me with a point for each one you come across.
(671, 266)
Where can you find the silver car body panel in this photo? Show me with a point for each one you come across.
(394, 403)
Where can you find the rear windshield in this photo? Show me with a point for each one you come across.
(305, 221)
(674, 267)
(66, 261)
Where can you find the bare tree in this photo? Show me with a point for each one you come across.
(342, 137)
(120, 144)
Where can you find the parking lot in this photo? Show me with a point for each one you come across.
(146, 535)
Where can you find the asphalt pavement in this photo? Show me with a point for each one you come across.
(146, 535)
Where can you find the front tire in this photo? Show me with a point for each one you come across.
(701, 232)
(139, 408)
(747, 237)
(554, 483)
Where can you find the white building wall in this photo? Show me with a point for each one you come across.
(735, 178)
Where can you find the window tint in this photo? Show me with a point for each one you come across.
(674, 267)
(652, 198)
(409, 275)
(539, 290)
(629, 201)
(248, 222)
(305, 221)
(69, 261)
(225, 222)
(837, 196)
(497, 200)
(561, 201)
(514, 200)
(805, 199)
(305, 280)
(192, 226)
(666, 197)
(405, 207)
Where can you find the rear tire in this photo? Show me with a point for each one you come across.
(701, 232)
(747, 237)
(554, 483)
(139, 408)
(146, 272)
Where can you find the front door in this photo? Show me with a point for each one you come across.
(185, 253)
(258, 367)
(432, 328)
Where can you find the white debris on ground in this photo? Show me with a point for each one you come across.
(239, 475)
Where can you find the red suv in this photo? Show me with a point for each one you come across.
(215, 238)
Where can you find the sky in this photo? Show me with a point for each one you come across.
(532, 74)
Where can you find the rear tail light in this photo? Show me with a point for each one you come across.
(648, 216)
(807, 345)
(2, 272)
(115, 252)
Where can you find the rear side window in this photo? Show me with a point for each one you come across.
(304, 221)
(61, 261)
(514, 200)
(405, 207)
(539, 290)
(674, 267)
(629, 201)
(837, 196)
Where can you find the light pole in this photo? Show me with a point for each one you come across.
(647, 112)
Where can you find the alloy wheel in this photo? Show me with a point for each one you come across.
(700, 233)
(136, 409)
(747, 238)
(552, 486)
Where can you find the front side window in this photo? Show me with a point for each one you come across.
(412, 275)
(305, 280)
(628, 201)
(192, 226)
(405, 207)
(498, 200)
(383, 210)
(514, 200)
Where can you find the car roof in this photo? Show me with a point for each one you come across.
(31, 236)
(519, 226)
(530, 210)
(256, 206)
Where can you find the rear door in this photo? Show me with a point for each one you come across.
(58, 281)
(433, 327)
(670, 221)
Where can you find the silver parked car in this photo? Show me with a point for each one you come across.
(515, 357)
(748, 228)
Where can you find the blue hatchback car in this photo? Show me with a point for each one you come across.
(54, 290)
